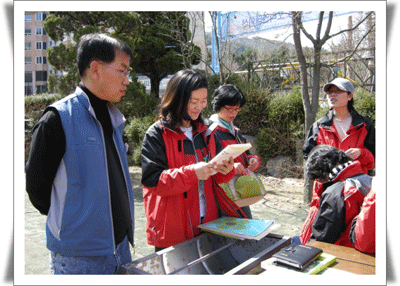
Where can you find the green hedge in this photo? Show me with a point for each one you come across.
(136, 103)
(284, 126)
(36, 103)
(134, 133)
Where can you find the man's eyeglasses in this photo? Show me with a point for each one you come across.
(231, 109)
(121, 72)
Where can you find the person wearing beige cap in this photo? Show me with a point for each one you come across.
(343, 128)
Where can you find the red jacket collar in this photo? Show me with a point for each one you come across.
(353, 169)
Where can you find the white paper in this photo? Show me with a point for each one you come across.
(233, 151)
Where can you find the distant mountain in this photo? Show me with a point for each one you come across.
(259, 44)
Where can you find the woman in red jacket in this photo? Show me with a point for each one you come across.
(227, 102)
(343, 128)
(180, 189)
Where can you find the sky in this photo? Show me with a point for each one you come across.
(285, 33)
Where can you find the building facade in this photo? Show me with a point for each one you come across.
(37, 68)
(36, 44)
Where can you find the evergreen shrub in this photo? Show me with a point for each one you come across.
(284, 125)
(134, 133)
(136, 102)
(36, 103)
(254, 113)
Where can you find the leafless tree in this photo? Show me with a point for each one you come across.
(224, 53)
(311, 101)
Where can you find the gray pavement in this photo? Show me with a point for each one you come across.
(37, 255)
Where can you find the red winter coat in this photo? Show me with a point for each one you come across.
(362, 233)
(333, 209)
(226, 137)
(361, 134)
(171, 187)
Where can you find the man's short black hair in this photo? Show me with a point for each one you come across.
(227, 94)
(322, 160)
(101, 47)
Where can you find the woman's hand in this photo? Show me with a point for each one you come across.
(204, 170)
(353, 153)
(240, 170)
(253, 164)
(225, 167)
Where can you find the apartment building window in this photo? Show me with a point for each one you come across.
(40, 16)
(28, 46)
(28, 60)
(41, 76)
(28, 76)
(41, 89)
(41, 46)
(41, 60)
(28, 89)
(28, 17)
(28, 31)
(40, 31)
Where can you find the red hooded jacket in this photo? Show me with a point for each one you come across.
(171, 187)
(333, 209)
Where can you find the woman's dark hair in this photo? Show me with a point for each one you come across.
(227, 94)
(350, 103)
(322, 160)
(99, 47)
(177, 94)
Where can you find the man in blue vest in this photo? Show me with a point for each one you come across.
(77, 171)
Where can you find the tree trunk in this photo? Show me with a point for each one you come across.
(155, 85)
(308, 112)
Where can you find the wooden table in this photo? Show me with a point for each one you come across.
(348, 259)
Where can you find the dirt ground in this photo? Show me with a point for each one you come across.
(282, 203)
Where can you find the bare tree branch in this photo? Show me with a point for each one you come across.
(319, 27)
(328, 28)
(351, 29)
(348, 57)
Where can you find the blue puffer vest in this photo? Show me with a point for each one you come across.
(79, 221)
